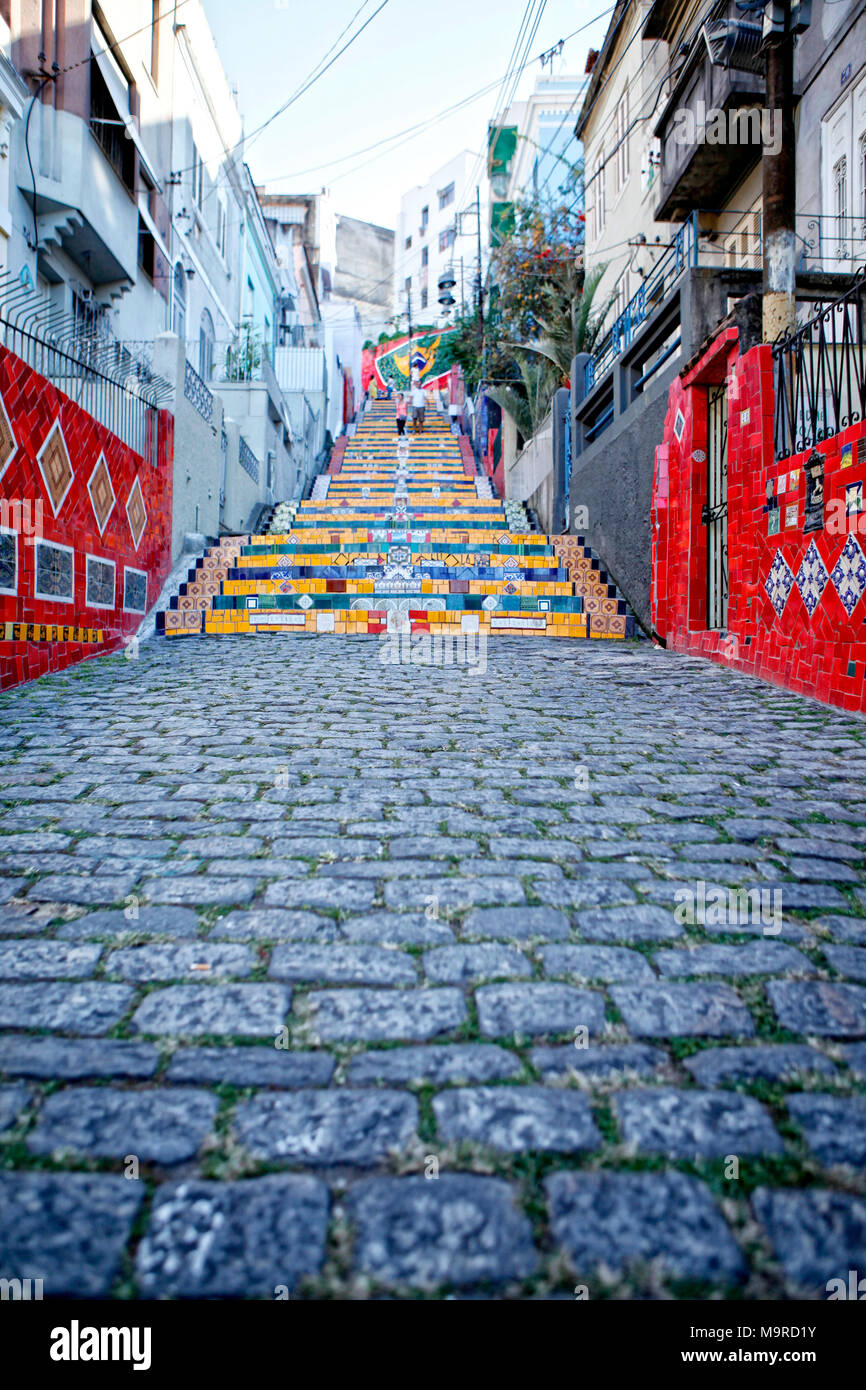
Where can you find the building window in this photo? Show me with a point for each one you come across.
(206, 338)
(146, 248)
(423, 299)
(425, 219)
(407, 286)
(178, 311)
(408, 243)
(197, 178)
(600, 211)
(221, 227)
(622, 163)
(107, 124)
(446, 196)
(154, 41)
(862, 166)
(446, 239)
(840, 192)
(425, 256)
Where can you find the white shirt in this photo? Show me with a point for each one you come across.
(417, 396)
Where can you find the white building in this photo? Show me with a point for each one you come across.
(546, 152)
(438, 231)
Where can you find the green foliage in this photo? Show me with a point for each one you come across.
(541, 309)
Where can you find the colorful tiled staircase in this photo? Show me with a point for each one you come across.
(400, 535)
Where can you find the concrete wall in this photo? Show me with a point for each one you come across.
(197, 451)
(612, 473)
(531, 473)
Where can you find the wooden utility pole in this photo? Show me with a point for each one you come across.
(779, 177)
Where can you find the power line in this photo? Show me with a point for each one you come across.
(305, 86)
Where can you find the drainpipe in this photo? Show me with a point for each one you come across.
(779, 177)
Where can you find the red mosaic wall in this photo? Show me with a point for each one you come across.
(813, 641)
(30, 408)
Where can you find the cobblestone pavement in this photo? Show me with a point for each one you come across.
(336, 978)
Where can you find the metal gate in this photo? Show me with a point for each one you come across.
(715, 514)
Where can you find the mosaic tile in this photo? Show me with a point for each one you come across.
(779, 583)
(55, 467)
(101, 492)
(812, 578)
(849, 575)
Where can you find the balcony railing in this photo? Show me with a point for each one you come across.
(819, 373)
(197, 393)
(112, 380)
(247, 460)
(682, 252)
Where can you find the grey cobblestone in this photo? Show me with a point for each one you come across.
(537, 1009)
(817, 1235)
(73, 1059)
(355, 917)
(190, 1010)
(155, 1126)
(517, 1118)
(327, 1127)
(461, 1229)
(377, 1015)
(607, 1061)
(683, 1124)
(68, 1229)
(657, 1011)
(617, 1219)
(202, 960)
(435, 1065)
(834, 1127)
(233, 1239)
(828, 1010)
(349, 965)
(88, 1007)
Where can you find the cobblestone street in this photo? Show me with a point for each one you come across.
(336, 978)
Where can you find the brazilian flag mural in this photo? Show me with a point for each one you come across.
(429, 351)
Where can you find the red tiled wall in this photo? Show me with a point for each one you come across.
(824, 654)
(32, 406)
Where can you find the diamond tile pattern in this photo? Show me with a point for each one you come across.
(53, 459)
(101, 493)
(849, 575)
(812, 578)
(779, 583)
(135, 511)
(8, 444)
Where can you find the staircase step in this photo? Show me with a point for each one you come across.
(399, 534)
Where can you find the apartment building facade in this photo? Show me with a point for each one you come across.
(135, 219)
(674, 125)
(437, 232)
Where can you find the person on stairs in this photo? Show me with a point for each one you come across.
(402, 413)
(418, 408)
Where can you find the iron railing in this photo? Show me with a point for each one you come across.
(112, 380)
(819, 373)
(197, 393)
(247, 459)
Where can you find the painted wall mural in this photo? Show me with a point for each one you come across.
(430, 353)
(85, 528)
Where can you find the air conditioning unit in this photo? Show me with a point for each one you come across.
(734, 43)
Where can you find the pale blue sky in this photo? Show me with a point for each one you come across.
(410, 63)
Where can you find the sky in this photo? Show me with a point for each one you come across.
(409, 64)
